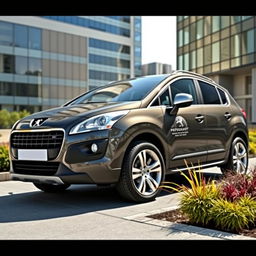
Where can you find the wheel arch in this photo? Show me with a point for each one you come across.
(140, 133)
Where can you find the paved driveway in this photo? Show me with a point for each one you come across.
(82, 212)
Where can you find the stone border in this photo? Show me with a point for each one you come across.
(5, 176)
(143, 218)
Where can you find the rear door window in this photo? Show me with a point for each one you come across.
(209, 93)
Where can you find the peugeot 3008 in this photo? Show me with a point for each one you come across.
(131, 133)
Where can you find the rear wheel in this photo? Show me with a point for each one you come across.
(142, 172)
(50, 188)
(238, 157)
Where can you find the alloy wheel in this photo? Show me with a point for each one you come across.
(240, 158)
(146, 172)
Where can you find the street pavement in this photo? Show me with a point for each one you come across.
(95, 213)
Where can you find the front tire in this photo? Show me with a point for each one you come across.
(142, 172)
(50, 188)
(238, 157)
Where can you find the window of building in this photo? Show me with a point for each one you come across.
(180, 62)
(235, 19)
(21, 89)
(216, 52)
(224, 45)
(7, 89)
(207, 25)
(6, 33)
(192, 32)
(21, 65)
(209, 92)
(186, 35)
(180, 38)
(224, 21)
(193, 60)
(184, 86)
(21, 36)
(186, 61)
(248, 85)
(215, 23)
(207, 55)
(6, 63)
(248, 109)
(199, 58)
(235, 46)
(34, 39)
(248, 41)
(34, 67)
(245, 17)
(222, 96)
(199, 29)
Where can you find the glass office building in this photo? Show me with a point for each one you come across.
(47, 60)
(224, 49)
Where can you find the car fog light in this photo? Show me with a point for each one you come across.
(94, 148)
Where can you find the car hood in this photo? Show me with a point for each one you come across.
(62, 116)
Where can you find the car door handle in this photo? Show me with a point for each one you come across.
(227, 115)
(199, 118)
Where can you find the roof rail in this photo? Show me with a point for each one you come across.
(193, 73)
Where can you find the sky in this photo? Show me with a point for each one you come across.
(159, 39)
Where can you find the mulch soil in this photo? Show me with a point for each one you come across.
(178, 217)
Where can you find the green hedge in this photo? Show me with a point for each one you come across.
(4, 159)
(8, 119)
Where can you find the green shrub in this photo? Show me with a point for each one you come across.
(196, 200)
(249, 203)
(252, 141)
(230, 216)
(4, 159)
(7, 119)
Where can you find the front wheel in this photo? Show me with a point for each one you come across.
(142, 172)
(238, 157)
(50, 188)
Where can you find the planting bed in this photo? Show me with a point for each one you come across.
(178, 217)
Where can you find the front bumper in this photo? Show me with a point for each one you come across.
(75, 162)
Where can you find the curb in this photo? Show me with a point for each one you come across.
(5, 176)
(193, 230)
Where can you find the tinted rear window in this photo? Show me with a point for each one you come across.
(223, 96)
(127, 90)
(209, 93)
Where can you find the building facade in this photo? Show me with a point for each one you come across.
(156, 68)
(224, 49)
(47, 60)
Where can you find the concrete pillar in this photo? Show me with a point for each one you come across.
(253, 72)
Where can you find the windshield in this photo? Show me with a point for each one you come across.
(128, 90)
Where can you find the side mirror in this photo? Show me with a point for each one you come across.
(182, 100)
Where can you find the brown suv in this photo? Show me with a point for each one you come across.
(131, 133)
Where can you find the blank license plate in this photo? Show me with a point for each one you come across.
(32, 154)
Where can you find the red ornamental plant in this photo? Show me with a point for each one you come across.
(236, 186)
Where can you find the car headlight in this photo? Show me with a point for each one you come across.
(100, 122)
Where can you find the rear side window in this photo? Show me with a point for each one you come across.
(223, 96)
(209, 92)
(184, 86)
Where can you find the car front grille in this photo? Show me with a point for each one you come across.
(37, 140)
(35, 167)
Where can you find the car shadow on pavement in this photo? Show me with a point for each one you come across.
(38, 205)
(78, 199)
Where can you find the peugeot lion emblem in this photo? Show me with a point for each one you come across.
(37, 122)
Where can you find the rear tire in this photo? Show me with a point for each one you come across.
(238, 158)
(142, 172)
(50, 188)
